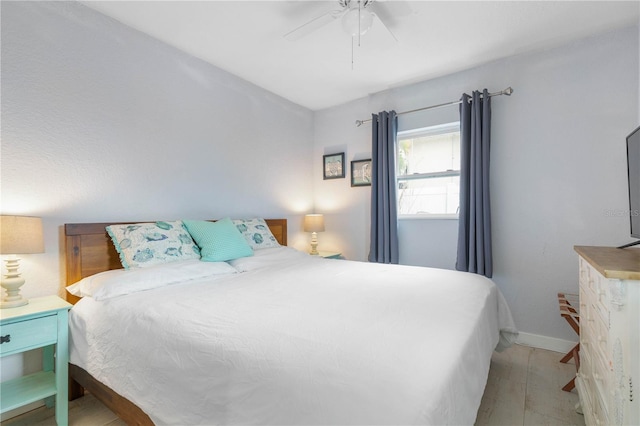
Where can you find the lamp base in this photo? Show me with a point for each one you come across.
(13, 303)
(314, 244)
(11, 282)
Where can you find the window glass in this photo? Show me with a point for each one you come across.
(428, 170)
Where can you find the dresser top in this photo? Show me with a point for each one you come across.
(611, 262)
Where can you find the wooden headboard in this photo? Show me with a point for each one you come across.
(89, 249)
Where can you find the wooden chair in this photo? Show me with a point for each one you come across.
(569, 305)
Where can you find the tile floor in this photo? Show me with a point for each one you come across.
(524, 388)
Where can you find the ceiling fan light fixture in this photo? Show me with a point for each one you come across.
(357, 20)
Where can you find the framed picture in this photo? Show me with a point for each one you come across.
(333, 166)
(361, 173)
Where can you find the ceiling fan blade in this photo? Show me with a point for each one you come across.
(383, 21)
(397, 8)
(388, 12)
(314, 25)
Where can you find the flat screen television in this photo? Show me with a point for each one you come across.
(633, 173)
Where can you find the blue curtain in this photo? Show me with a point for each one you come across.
(474, 223)
(384, 214)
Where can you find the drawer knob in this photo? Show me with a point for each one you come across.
(4, 339)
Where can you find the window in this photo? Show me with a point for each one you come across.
(428, 170)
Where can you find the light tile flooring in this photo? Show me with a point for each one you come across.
(524, 388)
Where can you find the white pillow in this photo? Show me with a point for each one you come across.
(118, 282)
(271, 257)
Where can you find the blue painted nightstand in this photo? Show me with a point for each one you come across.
(330, 254)
(43, 323)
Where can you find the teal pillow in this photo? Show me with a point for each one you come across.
(218, 241)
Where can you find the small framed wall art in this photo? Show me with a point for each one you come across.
(361, 173)
(333, 166)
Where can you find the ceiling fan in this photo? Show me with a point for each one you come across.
(357, 17)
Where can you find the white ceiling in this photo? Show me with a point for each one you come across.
(436, 38)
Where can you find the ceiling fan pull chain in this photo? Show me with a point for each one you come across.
(359, 22)
(352, 53)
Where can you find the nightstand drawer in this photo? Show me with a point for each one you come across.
(29, 334)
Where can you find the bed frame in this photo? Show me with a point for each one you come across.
(89, 250)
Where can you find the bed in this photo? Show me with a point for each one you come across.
(283, 338)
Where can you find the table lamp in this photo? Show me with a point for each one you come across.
(18, 235)
(314, 223)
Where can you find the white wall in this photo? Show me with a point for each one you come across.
(558, 167)
(103, 123)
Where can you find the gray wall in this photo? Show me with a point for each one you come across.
(558, 167)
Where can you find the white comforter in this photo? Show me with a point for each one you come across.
(298, 340)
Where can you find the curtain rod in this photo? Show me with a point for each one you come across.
(508, 91)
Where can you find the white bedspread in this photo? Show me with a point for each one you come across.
(299, 340)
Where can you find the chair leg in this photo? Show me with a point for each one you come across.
(570, 354)
(572, 316)
(569, 386)
(576, 355)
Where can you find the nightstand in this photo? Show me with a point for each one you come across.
(42, 323)
(329, 254)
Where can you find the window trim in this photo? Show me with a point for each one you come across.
(416, 176)
(438, 129)
(429, 216)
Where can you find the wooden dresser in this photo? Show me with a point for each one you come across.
(608, 380)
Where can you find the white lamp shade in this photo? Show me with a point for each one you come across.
(314, 223)
(21, 235)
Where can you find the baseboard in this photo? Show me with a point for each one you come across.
(545, 342)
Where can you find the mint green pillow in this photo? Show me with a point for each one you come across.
(218, 241)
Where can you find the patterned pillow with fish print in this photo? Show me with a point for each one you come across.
(257, 233)
(145, 244)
